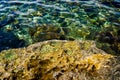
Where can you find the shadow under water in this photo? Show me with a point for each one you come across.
(9, 40)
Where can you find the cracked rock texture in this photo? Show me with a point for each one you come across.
(59, 60)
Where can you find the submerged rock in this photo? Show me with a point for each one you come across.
(59, 60)
(111, 38)
(46, 32)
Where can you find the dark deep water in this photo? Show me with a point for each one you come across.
(23, 22)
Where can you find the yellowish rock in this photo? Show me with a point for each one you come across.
(57, 60)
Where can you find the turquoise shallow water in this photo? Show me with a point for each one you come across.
(80, 19)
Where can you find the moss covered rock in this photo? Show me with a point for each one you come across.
(59, 60)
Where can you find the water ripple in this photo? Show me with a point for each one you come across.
(52, 11)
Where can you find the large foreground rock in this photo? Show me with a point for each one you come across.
(59, 60)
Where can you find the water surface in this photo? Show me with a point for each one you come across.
(84, 19)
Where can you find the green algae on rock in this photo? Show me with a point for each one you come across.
(49, 32)
(58, 60)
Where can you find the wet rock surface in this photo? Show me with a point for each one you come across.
(59, 60)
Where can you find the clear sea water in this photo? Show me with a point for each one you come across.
(85, 19)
